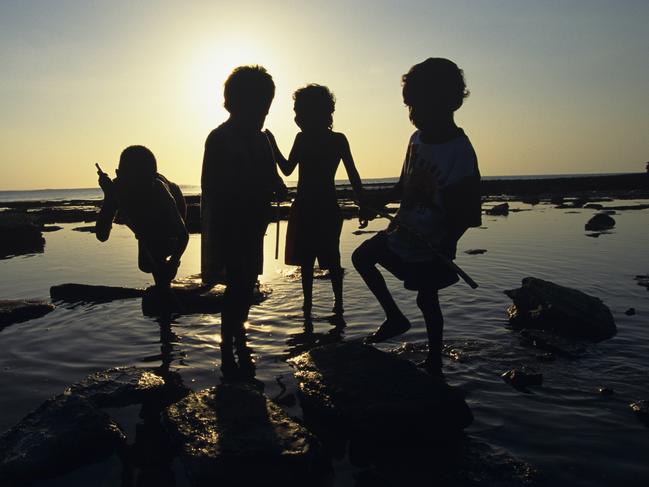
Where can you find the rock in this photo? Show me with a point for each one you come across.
(501, 209)
(377, 396)
(540, 304)
(118, 387)
(364, 232)
(17, 311)
(234, 435)
(630, 312)
(556, 199)
(191, 296)
(643, 281)
(579, 202)
(19, 235)
(475, 251)
(521, 379)
(600, 221)
(594, 206)
(641, 410)
(531, 200)
(86, 229)
(51, 228)
(62, 434)
(553, 344)
(546, 357)
(86, 293)
(605, 391)
(65, 215)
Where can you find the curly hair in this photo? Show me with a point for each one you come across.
(246, 84)
(434, 79)
(314, 106)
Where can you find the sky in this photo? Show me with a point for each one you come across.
(557, 87)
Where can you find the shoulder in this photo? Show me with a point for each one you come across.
(340, 139)
(414, 138)
(219, 134)
(466, 160)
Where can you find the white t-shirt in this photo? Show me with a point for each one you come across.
(427, 170)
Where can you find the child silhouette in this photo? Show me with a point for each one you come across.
(315, 221)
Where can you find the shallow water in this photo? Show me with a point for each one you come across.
(572, 434)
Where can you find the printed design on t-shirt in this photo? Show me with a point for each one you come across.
(422, 182)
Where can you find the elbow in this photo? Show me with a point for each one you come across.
(101, 236)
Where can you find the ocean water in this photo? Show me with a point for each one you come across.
(572, 434)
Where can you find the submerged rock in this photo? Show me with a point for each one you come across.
(119, 386)
(62, 434)
(371, 394)
(19, 310)
(630, 312)
(19, 235)
(521, 379)
(605, 391)
(475, 251)
(51, 228)
(540, 304)
(86, 293)
(86, 229)
(601, 221)
(234, 435)
(643, 281)
(501, 209)
(641, 410)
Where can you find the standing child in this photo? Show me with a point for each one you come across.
(440, 199)
(315, 221)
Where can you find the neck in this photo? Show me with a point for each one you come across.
(439, 131)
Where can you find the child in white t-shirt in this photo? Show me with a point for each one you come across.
(439, 189)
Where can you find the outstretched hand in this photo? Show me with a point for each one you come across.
(105, 183)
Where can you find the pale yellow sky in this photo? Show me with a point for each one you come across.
(554, 88)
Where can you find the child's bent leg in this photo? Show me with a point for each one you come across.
(365, 259)
(306, 270)
(428, 302)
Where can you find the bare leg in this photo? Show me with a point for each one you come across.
(428, 302)
(337, 284)
(307, 285)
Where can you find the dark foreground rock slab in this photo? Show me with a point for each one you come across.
(62, 434)
(374, 394)
(501, 210)
(601, 221)
(19, 310)
(20, 234)
(234, 435)
(540, 304)
(119, 386)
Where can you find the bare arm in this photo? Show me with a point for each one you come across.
(350, 167)
(287, 166)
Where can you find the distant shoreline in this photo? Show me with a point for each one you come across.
(622, 186)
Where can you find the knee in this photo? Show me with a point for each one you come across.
(427, 301)
(359, 258)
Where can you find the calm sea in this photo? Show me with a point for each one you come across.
(575, 436)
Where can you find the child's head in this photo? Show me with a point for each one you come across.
(137, 166)
(314, 107)
(248, 93)
(433, 89)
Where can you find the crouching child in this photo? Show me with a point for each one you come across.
(152, 207)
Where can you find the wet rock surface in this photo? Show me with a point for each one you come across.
(62, 434)
(376, 395)
(601, 221)
(521, 379)
(232, 434)
(641, 410)
(19, 310)
(540, 304)
(20, 234)
(501, 210)
(86, 293)
(119, 386)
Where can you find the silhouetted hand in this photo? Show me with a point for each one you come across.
(105, 183)
(281, 193)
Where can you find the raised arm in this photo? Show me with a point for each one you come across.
(286, 166)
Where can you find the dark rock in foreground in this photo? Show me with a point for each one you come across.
(641, 410)
(540, 304)
(521, 379)
(371, 394)
(19, 310)
(119, 386)
(630, 312)
(234, 435)
(19, 235)
(601, 221)
(501, 209)
(61, 435)
(643, 281)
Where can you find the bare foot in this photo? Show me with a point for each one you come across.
(389, 329)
